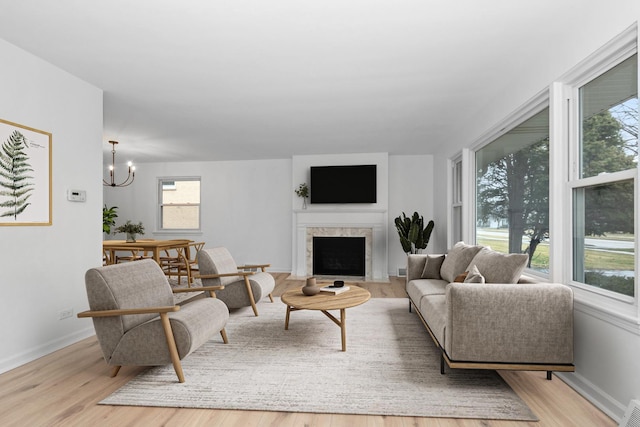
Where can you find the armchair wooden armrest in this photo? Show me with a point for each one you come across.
(260, 266)
(215, 276)
(199, 289)
(211, 289)
(127, 311)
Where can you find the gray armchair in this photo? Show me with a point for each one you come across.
(137, 321)
(241, 288)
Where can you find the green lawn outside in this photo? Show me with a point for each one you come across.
(595, 260)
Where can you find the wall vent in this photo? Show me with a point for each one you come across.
(402, 271)
(632, 416)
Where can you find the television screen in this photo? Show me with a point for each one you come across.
(343, 184)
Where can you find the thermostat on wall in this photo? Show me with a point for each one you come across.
(76, 195)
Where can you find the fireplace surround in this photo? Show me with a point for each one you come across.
(370, 224)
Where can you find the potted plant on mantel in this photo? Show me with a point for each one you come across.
(303, 191)
(131, 229)
(414, 235)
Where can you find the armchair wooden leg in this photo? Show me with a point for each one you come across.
(223, 333)
(171, 343)
(115, 371)
(251, 298)
(271, 297)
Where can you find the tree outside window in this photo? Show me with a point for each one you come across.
(512, 189)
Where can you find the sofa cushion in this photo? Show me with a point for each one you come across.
(497, 267)
(419, 288)
(457, 260)
(432, 267)
(434, 311)
(474, 276)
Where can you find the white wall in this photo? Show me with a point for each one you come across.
(245, 206)
(43, 266)
(411, 181)
(441, 198)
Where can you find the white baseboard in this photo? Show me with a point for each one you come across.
(44, 349)
(594, 394)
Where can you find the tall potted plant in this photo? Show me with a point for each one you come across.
(414, 235)
(109, 216)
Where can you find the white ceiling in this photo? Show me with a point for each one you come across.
(254, 79)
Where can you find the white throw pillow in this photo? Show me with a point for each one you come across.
(474, 275)
(497, 267)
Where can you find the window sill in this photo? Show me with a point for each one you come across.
(178, 232)
(617, 313)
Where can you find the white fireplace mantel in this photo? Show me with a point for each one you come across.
(340, 220)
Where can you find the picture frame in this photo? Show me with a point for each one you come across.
(25, 175)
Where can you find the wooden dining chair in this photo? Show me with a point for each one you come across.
(174, 263)
(190, 266)
(133, 254)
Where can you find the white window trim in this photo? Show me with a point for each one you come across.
(176, 231)
(603, 304)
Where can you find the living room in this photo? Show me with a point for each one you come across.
(45, 265)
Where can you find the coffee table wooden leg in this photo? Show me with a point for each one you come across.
(343, 328)
(286, 320)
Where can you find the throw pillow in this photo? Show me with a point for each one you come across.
(474, 275)
(497, 267)
(432, 267)
(461, 277)
(457, 260)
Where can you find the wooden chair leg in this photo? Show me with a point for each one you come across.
(171, 343)
(251, 298)
(115, 371)
(224, 336)
(271, 297)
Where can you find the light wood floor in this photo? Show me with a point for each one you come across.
(63, 389)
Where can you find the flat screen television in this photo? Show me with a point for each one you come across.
(343, 184)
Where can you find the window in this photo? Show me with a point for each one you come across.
(603, 184)
(512, 192)
(179, 203)
(456, 207)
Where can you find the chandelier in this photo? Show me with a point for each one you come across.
(130, 177)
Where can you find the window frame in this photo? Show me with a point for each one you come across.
(536, 105)
(575, 181)
(160, 205)
(611, 306)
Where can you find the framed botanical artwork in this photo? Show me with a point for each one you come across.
(25, 175)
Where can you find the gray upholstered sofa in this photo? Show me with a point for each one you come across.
(483, 314)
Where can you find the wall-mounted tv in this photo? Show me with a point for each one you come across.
(343, 184)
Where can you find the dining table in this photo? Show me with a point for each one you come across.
(149, 246)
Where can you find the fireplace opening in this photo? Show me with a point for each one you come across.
(339, 256)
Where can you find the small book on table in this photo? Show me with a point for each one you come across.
(334, 290)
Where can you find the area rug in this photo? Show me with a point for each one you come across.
(391, 367)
